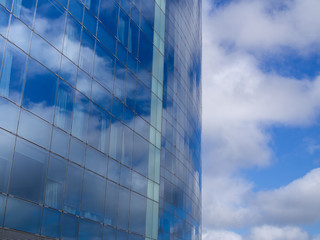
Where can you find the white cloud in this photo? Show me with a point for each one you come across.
(221, 235)
(277, 233)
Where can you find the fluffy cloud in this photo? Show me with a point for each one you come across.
(276, 233)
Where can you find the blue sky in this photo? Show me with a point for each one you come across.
(261, 120)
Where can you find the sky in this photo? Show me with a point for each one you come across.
(261, 119)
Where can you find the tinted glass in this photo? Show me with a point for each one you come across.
(69, 227)
(24, 9)
(4, 20)
(77, 151)
(87, 51)
(101, 96)
(140, 154)
(51, 223)
(89, 230)
(113, 170)
(72, 39)
(2, 205)
(80, 116)
(109, 11)
(123, 208)
(84, 82)
(109, 233)
(10, 120)
(137, 213)
(19, 34)
(96, 161)
(116, 139)
(111, 207)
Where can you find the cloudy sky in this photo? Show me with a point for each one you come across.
(261, 119)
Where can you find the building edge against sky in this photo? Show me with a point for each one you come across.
(100, 119)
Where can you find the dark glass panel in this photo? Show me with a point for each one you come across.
(113, 170)
(126, 5)
(34, 129)
(90, 22)
(64, 106)
(128, 117)
(77, 151)
(99, 128)
(144, 75)
(132, 63)
(109, 11)
(125, 176)
(10, 120)
(117, 109)
(147, 10)
(73, 185)
(131, 88)
(24, 9)
(106, 38)
(115, 139)
(142, 127)
(87, 51)
(137, 213)
(111, 207)
(29, 216)
(60, 142)
(80, 116)
(4, 21)
(143, 101)
(140, 155)
(120, 82)
(133, 43)
(123, 208)
(28, 171)
(145, 51)
(135, 15)
(121, 53)
(55, 182)
(89, 230)
(101, 96)
(50, 22)
(122, 235)
(84, 82)
(139, 183)
(40, 90)
(13, 73)
(146, 27)
(126, 156)
(96, 161)
(93, 5)
(51, 223)
(69, 227)
(6, 153)
(93, 196)
(109, 233)
(76, 9)
(2, 205)
(123, 28)
(104, 67)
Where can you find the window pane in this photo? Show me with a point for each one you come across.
(106, 38)
(133, 38)
(109, 11)
(29, 216)
(123, 208)
(77, 151)
(28, 171)
(84, 82)
(115, 139)
(10, 120)
(126, 156)
(60, 142)
(19, 34)
(143, 101)
(89, 21)
(145, 51)
(4, 21)
(55, 182)
(93, 195)
(51, 223)
(123, 27)
(72, 39)
(80, 116)
(89, 230)
(7, 3)
(24, 9)
(113, 170)
(64, 106)
(120, 81)
(140, 155)
(131, 88)
(73, 189)
(87, 51)
(68, 71)
(139, 183)
(110, 216)
(125, 176)
(109, 233)
(6, 153)
(39, 95)
(122, 235)
(117, 109)
(96, 161)
(13, 72)
(2, 205)
(76, 9)
(101, 96)
(93, 5)
(137, 213)
(50, 22)
(69, 227)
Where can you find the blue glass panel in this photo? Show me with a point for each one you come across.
(4, 21)
(93, 5)
(24, 9)
(123, 27)
(52, 57)
(69, 227)
(55, 182)
(146, 28)
(72, 195)
(99, 128)
(28, 171)
(144, 75)
(126, 5)
(147, 10)
(140, 155)
(131, 88)
(117, 109)
(122, 235)
(121, 53)
(120, 81)
(77, 151)
(93, 195)
(76, 9)
(87, 51)
(80, 116)
(143, 101)
(113, 170)
(104, 67)
(84, 82)
(50, 22)
(51, 223)
(145, 51)
(106, 38)
(60, 142)
(101, 96)
(13, 72)
(126, 156)
(135, 15)
(125, 176)
(96, 161)
(111, 207)
(128, 117)
(6, 153)
(109, 11)
(89, 230)
(39, 95)
(34, 129)
(72, 39)
(133, 38)
(19, 34)
(132, 63)
(2, 205)
(68, 71)
(10, 120)
(139, 183)
(137, 213)
(109, 233)
(29, 216)
(7, 3)
(90, 22)
(64, 106)
(115, 139)
(141, 127)
(123, 208)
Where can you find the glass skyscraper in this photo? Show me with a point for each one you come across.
(100, 119)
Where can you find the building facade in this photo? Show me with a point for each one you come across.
(100, 119)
